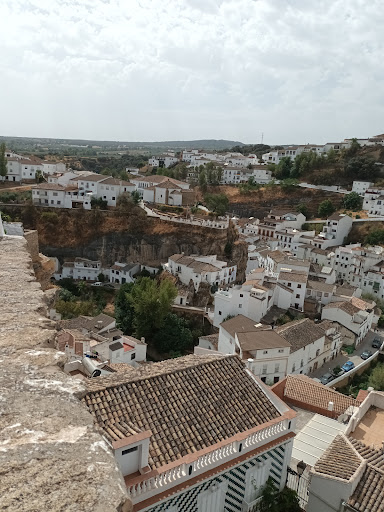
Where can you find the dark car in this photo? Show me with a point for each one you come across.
(377, 342)
(327, 377)
(366, 354)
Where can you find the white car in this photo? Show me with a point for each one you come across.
(98, 283)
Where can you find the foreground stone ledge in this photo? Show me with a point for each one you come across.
(51, 456)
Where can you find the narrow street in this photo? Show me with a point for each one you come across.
(355, 357)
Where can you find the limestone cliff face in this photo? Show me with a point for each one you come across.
(149, 241)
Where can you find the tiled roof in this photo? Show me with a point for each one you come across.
(346, 306)
(296, 276)
(188, 404)
(369, 493)
(261, 339)
(346, 290)
(361, 304)
(371, 455)
(197, 266)
(241, 323)
(300, 333)
(320, 286)
(303, 389)
(48, 186)
(339, 460)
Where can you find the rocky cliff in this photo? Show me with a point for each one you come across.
(128, 236)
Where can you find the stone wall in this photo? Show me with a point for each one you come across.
(51, 456)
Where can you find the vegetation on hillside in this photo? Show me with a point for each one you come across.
(342, 168)
(372, 377)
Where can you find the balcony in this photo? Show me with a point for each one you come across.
(253, 506)
(178, 472)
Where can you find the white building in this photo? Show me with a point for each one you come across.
(335, 231)
(249, 299)
(298, 347)
(164, 160)
(373, 202)
(21, 168)
(356, 316)
(360, 187)
(224, 463)
(123, 272)
(295, 280)
(146, 187)
(50, 168)
(201, 269)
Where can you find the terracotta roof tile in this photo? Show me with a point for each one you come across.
(191, 402)
(300, 333)
(369, 493)
(307, 391)
(340, 460)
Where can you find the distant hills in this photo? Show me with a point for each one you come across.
(51, 144)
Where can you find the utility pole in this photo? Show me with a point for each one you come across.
(262, 137)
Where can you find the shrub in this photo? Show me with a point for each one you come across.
(50, 217)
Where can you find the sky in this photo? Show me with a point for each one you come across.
(296, 71)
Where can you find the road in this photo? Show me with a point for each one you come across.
(355, 357)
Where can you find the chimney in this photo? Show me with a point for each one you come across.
(330, 406)
(142, 339)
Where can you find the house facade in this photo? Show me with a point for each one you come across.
(201, 269)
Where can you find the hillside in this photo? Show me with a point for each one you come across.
(88, 147)
(258, 203)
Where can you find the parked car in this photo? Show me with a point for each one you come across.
(108, 285)
(377, 342)
(98, 283)
(366, 354)
(327, 377)
(348, 366)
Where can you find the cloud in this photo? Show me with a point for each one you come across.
(183, 69)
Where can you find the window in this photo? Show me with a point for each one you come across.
(281, 350)
(277, 367)
(264, 370)
(54, 194)
(299, 285)
(240, 306)
(241, 295)
(265, 352)
(289, 284)
(297, 295)
(317, 352)
(58, 202)
(293, 367)
(220, 313)
(301, 363)
(113, 198)
(129, 450)
(133, 356)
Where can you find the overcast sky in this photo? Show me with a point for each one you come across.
(297, 70)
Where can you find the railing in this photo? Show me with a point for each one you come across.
(174, 475)
(253, 506)
(300, 484)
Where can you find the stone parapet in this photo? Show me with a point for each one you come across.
(51, 455)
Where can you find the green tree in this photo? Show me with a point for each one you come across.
(3, 161)
(303, 208)
(203, 181)
(274, 501)
(326, 208)
(218, 203)
(101, 277)
(353, 148)
(376, 379)
(361, 167)
(124, 311)
(174, 336)
(151, 302)
(283, 169)
(353, 201)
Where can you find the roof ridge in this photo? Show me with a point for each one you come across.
(214, 358)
